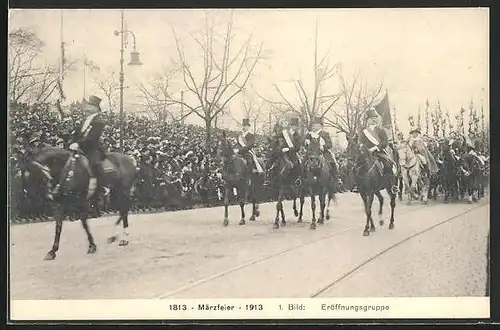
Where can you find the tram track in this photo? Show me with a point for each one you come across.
(218, 275)
(390, 248)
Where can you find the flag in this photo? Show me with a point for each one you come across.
(384, 111)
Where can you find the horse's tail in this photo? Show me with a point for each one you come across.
(127, 167)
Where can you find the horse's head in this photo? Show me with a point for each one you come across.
(313, 152)
(225, 150)
(44, 168)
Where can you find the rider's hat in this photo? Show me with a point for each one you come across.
(372, 113)
(93, 104)
(294, 121)
(246, 122)
(317, 120)
(414, 129)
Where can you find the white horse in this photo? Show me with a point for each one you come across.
(416, 181)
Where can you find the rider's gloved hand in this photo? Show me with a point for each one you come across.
(374, 148)
(74, 146)
(236, 151)
(285, 149)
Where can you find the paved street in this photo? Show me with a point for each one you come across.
(189, 254)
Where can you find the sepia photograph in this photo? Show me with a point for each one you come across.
(248, 163)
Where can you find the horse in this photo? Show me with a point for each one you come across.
(236, 175)
(436, 179)
(450, 172)
(400, 181)
(317, 179)
(283, 178)
(53, 165)
(416, 181)
(473, 177)
(370, 181)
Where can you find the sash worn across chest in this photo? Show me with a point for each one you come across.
(86, 125)
(241, 139)
(371, 136)
(288, 139)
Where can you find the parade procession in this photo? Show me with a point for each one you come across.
(194, 190)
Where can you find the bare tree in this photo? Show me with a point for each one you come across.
(29, 80)
(253, 109)
(313, 104)
(224, 73)
(358, 97)
(109, 85)
(156, 97)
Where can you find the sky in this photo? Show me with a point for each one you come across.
(417, 53)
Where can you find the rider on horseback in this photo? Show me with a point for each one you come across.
(417, 144)
(86, 139)
(376, 139)
(326, 146)
(292, 143)
(246, 141)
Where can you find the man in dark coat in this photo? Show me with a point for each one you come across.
(87, 139)
(246, 142)
(376, 139)
(326, 145)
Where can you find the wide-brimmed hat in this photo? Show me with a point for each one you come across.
(93, 104)
(414, 129)
(372, 113)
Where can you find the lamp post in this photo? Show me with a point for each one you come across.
(134, 60)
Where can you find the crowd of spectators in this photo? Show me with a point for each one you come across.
(164, 152)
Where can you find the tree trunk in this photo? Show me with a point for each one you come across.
(208, 135)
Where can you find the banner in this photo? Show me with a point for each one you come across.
(385, 113)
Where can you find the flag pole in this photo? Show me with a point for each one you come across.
(390, 117)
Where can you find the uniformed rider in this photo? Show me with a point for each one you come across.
(376, 139)
(87, 138)
(417, 143)
(292, 142)
(317, 131)
(246, 142)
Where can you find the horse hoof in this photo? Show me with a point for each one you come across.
(51, 255)
(327, 217)
(321, 222)
(283, 223)
(381, 223)
(366, 232)
(112, 239)
(252, 218)
(372, 229)
(313, 226)
(92, 249)
(123, 242)
(391, 226)
(225, 222)
(242, 222)
(276, 226)
(296, 213)
(257, 214)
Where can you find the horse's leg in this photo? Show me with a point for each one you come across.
(393, 206)
(282, 210)
(59, 216)
(364, 197)
(279, 208)
(242, 200)
(313, 209)
(380, 208)
(295, 212)
(124, 205)
(84, 219)
(322, 198)
(226, 205)
(302, 200)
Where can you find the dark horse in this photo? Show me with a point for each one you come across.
(236, 175)
(450, 171)
(473, 178)
(51, 165)
(370, 181)
(317, 179)
(285, 179)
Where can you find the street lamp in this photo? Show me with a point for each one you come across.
(134, 60)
